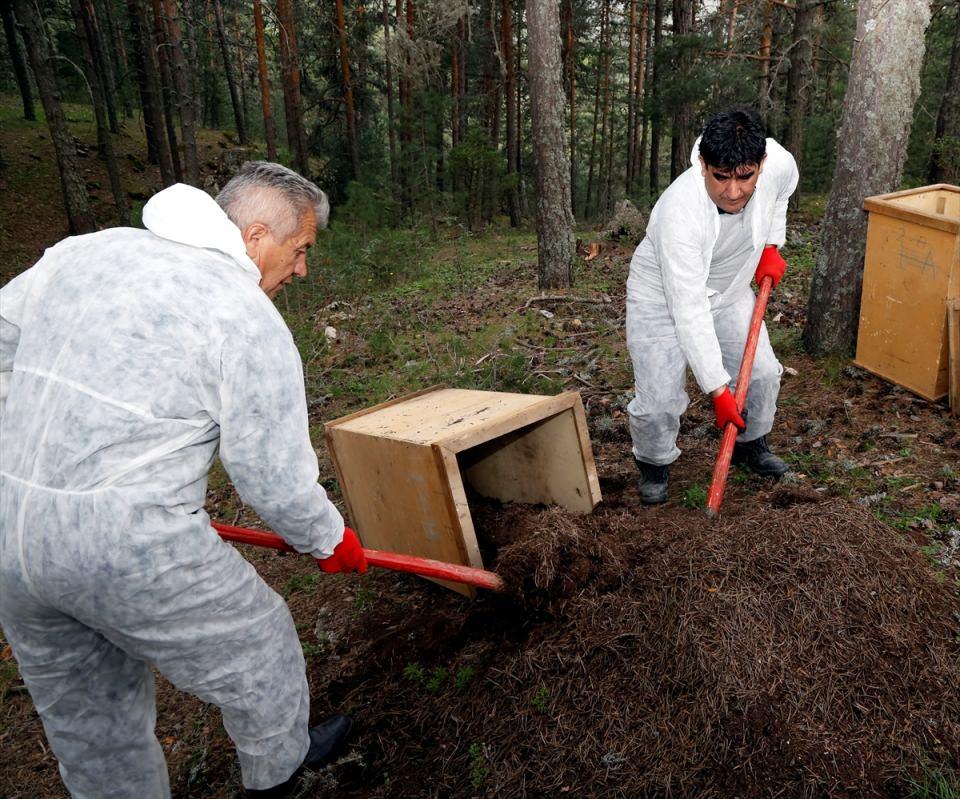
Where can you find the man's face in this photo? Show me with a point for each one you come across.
(731, 190)
(279, 261)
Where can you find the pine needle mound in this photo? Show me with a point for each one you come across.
(807, 651)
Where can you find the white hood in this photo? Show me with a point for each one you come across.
(190, 216)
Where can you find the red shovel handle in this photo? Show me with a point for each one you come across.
(722, 467)
(480, 578)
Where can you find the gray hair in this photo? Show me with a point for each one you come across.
(273, 195)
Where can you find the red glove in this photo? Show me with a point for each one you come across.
(347, 556)
(771, 265)
(725, 407)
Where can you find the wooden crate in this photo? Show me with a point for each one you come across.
(404, 466)
(953, 331)
(911, 270)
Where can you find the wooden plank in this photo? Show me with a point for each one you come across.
(929, 220)
(908, 271)
(954, 354)
(373, 409)
(398, 499)
(471, 435)
(435, 417)
(542, 463)
(586, 452)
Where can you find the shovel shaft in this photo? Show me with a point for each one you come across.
(722, 467)
(425, 567)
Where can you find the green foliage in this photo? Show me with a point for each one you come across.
(476, 169)
(464, 677)
(936, 784)
(303, 583)
(312, 651)
(363, 599)
(541, 699)
(479, 767)
(414, 672)
(694, 497)
(436, 679)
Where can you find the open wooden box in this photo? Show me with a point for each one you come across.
(911, 274)
(404, 465)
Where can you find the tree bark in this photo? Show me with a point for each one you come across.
(292, 100)
(883, 86)
(151, 98)
(348, 90)
(103, 63)
(16, 57)
(555, 239)
(238, 118)
(269, 128)
(570, 70)
(798, 76)
(77, 204)
(86, 32)
(655, 115)
(388, 72)
(167, 89)
(509, 89)
(603, 177)
(631, 89)
(588, 207)
(640, 130)
(766, 47)
(185, 105)
(682, 133)
(944, 169)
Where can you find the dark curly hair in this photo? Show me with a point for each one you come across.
(733, 139)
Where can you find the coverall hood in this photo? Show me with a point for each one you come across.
(187, 215)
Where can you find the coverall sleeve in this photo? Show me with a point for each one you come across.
(265, 438)
(11, 302)
(788, 176)
(685, 288)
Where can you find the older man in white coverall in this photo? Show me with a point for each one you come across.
(689, 300)
(127, 359)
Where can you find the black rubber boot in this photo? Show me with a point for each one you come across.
(758, 458)
(327, 740)
(653, 482)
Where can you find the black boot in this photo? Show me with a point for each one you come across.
(327, 740)
(758, 458)
(653, 482)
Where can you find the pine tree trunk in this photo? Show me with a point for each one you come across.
(766, 47)
(238, 119)
(151, 98)
(883, 86)
(589, 207)
(292, 100)
(681, 130)
(801, 57)
(509, 89)
(86, 33)
(76, 202)
(348, 90)
(16, 57)
(570, 71)
(631, 109)
(637, 155)
(269, 128)
(655, 115)
(388, 73)
(603, 173)
(942, 168)
(103, 64)
(167, 89)
(185, 106)
(555, 239)
(116, 52)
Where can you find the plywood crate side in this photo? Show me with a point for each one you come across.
(953, 326)
(541, 463)
(398, 499)
(908, 270)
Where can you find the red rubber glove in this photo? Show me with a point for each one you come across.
(347, 556)
(725, 407)
(771, 265)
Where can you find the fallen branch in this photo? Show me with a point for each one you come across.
(561, 298)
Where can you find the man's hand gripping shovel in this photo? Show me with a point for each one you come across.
(425, 567)
(722, 467)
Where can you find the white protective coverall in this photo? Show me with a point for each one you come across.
(126, 357)
(688, 303)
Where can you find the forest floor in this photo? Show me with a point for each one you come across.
(805, 644)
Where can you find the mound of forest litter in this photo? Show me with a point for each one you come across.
(805, 651)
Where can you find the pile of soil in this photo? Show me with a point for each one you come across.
(798, 650)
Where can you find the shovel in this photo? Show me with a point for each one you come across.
(722, 467)
(479, 578)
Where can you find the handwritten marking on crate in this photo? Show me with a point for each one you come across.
(915, 252)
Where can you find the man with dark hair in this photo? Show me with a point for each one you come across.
(689, 299)
(128, 360)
